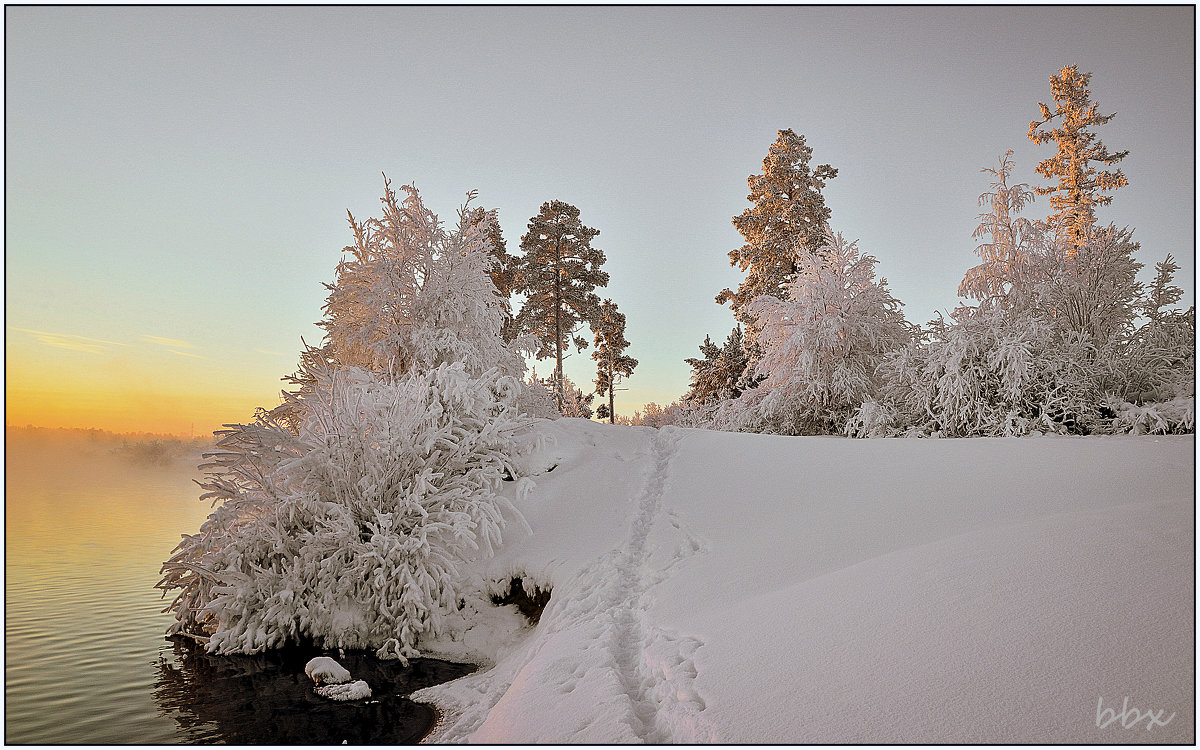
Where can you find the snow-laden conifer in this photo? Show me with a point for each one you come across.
(1080, 184)
(612, 363)
(720, 373)
(1006, 240)
(789, 211)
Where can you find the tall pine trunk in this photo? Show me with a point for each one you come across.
(612, 416)
(558, 347)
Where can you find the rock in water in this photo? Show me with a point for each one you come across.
(354, 691)
(324, 670)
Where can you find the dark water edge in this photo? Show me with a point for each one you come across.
(267, 698)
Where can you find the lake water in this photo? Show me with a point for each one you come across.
(87, 526)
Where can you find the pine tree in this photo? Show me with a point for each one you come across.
(789, 212)
(1076, 195)
(721, 372)
(612, 364)
(558, 273)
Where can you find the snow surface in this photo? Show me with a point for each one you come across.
(323, 669)
(739, 588)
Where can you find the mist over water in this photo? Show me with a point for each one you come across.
(86, 528)
(89, 519)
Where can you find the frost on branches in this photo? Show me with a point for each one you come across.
(987, 375)
(350, 534)
(413, 295)
(821, 346)
(345, 513)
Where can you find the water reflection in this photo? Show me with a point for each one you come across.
(267, 698)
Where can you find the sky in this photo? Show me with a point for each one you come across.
(177, 180)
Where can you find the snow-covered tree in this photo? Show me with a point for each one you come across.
(721, 373)
(413, 295)
(566, 398)
(349, 533)
(612, 363)
(1159, 362)
(1079, 186)
(652, 415)
(1162, 292)
(821, 345)
(1006, 239)
(558, 273)
(503, 270)
(789, 211)
(1091, 289)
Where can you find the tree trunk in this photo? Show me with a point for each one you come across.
(558, 353)
(612, 416)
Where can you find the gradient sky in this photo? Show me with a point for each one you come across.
(177, 179)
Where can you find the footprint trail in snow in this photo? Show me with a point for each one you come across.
(655, 666)
(627, 668)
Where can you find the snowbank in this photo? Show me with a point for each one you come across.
(717, 587)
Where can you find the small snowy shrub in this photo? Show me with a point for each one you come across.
(350, 533)
(1164, 418)
(1159, 363)
(988, 375)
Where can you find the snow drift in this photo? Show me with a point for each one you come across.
(718, 587)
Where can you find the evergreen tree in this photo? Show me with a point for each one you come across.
(721, 372)
(789, 212)
(1076, 195)
(558, 273)
(612, 364)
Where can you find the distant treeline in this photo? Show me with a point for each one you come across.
(141, 447)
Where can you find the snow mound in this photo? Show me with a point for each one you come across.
(324, 670)
(734, 588)
(350, 691)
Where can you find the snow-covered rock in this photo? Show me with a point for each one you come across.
(324, 670)
(349, 691)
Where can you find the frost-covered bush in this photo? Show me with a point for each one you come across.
(350, 531)
(1166, 417)
(653, 415)
(820, 346)
(987, 375)
(544, 398)
(1159, 362)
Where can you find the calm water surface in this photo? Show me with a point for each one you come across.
(86, 528)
